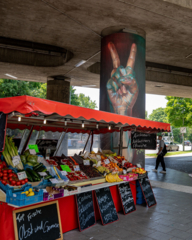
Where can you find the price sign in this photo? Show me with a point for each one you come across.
(32, 151)
(42, 174)
(54, 180)
(21, 175)
(16, 160)
(183, 130)
(64, 173)
(106, 161)
(138, 165)
(86, 162)
(76, 168)
(124, 171)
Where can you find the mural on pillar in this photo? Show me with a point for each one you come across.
(122, 85)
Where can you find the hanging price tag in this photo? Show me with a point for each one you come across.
(76, 168)
(106, 161)
(32, 151)
(21, 175)
(16, 160)
(42, 174)
(86, 162)
(64, 173)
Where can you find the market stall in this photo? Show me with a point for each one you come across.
(106, 178)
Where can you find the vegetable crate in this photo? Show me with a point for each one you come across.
(140, 197)
(7, 187)
(19, 199)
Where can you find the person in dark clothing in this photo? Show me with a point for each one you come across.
(160, 156)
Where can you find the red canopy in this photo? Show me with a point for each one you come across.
(33, 111)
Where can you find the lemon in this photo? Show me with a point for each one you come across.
(30, 190)
(27, 192)
(31, 194)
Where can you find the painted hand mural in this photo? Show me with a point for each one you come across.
(122, 87)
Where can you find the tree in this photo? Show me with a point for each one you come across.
(179, 111)
(146, 114)
(86, 101)
(158, 115)
(11, 88)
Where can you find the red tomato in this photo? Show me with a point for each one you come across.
(9, 171)
(4, 171)
(11, 179)
(5, 174)
(1, 166)
(13, 182)
(26, 180)
(1, 174)
(18, 183)
(4, 164)
(3, 181)
(10, 174)
(22, 182)
(4, 178)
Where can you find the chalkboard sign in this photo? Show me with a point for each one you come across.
(44, 144)
(143, 140)
(3, 120)
(106, 206)
(126, 198)
(38, 222)
(147, 192)
(85, 210)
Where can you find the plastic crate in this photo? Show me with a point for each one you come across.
(7, 187)
(18, 199)
(47, 197)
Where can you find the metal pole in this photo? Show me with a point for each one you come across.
(87, 141)
(183, 137)
(91, 141)
(57, 149)
(120, 142)
(27, 140)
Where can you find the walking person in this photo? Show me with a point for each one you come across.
(160, 155)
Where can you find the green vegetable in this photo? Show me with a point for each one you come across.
(27, 153)
(30, 164)
(32, 159)
(40, 169)
(29, 176)
(10, 150)
(47, 177)
(34, 175)
(23, 159)
(38, 166)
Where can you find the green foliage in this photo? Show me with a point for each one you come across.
(146, 114)
(11, 88)
(158, 115)
(179, 111)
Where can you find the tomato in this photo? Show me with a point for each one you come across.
(13, 182)
(4, 164)
(22, 182)
(26, 180)
(10, 179)
(5, 174)
(18, 183)
(4, 178)
(1, 174)
(9, 171)
(3, 181)
(4, 171)
(10, 174)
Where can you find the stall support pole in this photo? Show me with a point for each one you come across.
(61, 140)
(120, 142)
(27, 140)
(91, 141)
(86, 142)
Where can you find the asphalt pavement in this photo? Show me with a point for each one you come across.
(180, 163)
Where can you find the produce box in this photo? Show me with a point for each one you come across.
(7, 187)
(129, 177)
(19, 199)
(47, 196)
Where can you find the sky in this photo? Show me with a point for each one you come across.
(152, 101)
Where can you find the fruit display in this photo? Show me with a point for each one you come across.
(29, 193)
(8, 176)
(113, 178)
(89, 171)
(139, 170)
(102, 169)
(76, 175)
(10, 151)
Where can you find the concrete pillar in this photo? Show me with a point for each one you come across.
(58, 90)
(122, 84)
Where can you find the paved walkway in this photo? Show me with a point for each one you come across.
(171, 218)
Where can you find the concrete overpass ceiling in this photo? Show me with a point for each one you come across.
(77, 26)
